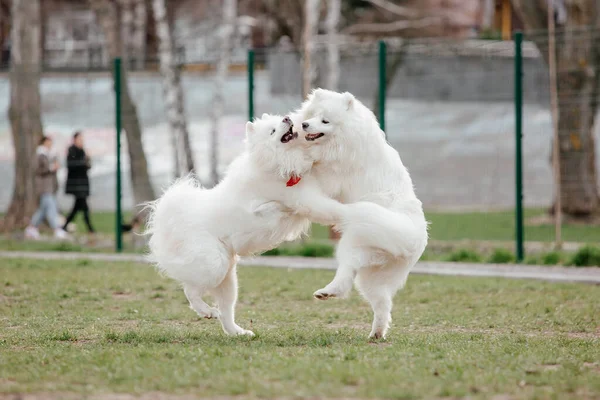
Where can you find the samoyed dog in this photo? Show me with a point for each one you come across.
(196, 234)
(354, 162)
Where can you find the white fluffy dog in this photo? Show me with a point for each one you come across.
(353, 162)
(198, 234)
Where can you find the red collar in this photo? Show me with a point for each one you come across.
(294, 179)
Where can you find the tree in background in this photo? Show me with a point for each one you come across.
(334, 10)
(312, 10)
(174, 102)
(108, 14)
(229, 14)
(578, 69)
(138, 36)
(24, 111)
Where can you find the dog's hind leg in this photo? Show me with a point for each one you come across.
(226, 296)
(381, 302)
(378, 286)
(369, 284)
(194, 295)
(350, 259)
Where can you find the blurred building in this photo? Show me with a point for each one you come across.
(72, 39)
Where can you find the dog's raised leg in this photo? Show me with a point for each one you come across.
(226, 296)
(350, 259)
(194, 296)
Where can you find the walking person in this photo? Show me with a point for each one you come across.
(78, 183)
(46, 185)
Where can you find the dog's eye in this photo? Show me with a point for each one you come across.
(273, 131)
(324, 121)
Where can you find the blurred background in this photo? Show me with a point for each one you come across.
(449, 99)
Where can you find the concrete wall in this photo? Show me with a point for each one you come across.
(421, 76)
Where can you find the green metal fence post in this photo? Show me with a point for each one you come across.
(250, 85)
(518, 39)
(118, 219)
(382, 77)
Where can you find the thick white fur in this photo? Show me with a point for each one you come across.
(354, 163)
(196, 234)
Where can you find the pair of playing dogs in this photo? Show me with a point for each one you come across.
(327, 162)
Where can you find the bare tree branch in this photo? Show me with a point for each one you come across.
(405, 12)
(392, 26)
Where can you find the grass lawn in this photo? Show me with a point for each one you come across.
(86, 327)
(500, 225)
(496, 225)
(445, 226)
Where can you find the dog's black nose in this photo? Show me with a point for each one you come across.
(304, 125)
(287, 120)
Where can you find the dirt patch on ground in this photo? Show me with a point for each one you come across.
(455, 329)
(595, 366)
(144, 396)
(123, 295)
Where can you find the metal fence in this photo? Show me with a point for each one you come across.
(449, 111)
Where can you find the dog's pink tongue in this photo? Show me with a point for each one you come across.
(294, 179)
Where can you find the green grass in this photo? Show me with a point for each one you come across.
(496, 225)
(91, 327)
(445, 226)
(500, 225)
(103, 222)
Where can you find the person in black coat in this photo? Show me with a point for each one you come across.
(78, 183)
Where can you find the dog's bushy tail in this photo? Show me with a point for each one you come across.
(375, 226)
(166, 222)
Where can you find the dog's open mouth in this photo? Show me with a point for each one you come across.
(313, 136)
(288, 136)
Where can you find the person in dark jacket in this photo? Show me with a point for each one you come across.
(78, 183)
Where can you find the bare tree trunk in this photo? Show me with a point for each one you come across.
(487, 14)
(334, 10)
(577, 105)
(140, 20)
(228, 30)
(578, 69)
(126, 14)
(555, 159)
(24, 111)
(172, 90)
(311, 28)
(108, 15)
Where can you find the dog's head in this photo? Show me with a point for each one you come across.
(337, 125)
(325, 113)
(274, 144)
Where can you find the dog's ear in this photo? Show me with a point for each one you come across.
(249, 128)
(348, 99)
(317, 93)
(265, 115)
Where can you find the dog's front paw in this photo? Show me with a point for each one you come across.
(302, 210)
